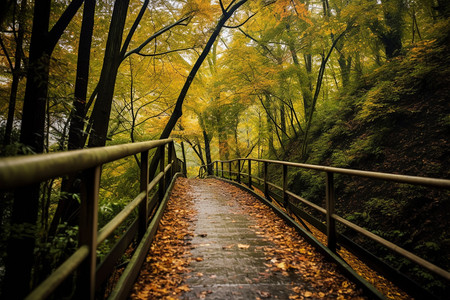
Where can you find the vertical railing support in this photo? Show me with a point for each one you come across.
(88, 231)
(143, 213)
(221, 164)
(330, 204)
(229, 170)
(266, 185)
(217, 168)
(249, 174)
(162, 187)
(285, 197)
(239, 171)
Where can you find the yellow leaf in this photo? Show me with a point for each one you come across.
(243, 246)
(282, 266)
(184, 288)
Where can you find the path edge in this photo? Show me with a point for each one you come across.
(129, 276)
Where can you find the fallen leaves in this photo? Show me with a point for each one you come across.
(162, 274)
(291, 254)
(243, 246)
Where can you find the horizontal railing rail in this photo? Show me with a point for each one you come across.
(226, 170)
(19, 172)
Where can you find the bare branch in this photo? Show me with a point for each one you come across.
(242, 24)
(180, 22)
(6, 54)
(164, 53)
(271, 118)
(223, 9)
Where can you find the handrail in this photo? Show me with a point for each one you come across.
(19, 172)
(417, 180)
(331, 217)
(23, 170)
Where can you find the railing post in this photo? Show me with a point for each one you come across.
(88, 231)
(330, 203)
(221, 164)
(161, 189)
(143, 213)
(217, 168)
(249, 174)
(229, 170)
(285, 197)
(266, 185)
(239, 171)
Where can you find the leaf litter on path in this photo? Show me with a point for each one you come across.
(166, 268)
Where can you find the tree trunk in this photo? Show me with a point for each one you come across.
(390, 34)
(207, 153)
(67, 204)
(19, 261)
(222, 135)
(20, 249)
(16, 72)
(269, 128)
(102, 109)
(78, 113)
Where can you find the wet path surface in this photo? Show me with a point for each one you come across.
(229, 260)
(216, 241)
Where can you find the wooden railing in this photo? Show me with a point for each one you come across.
(240, 171)
(19, 172)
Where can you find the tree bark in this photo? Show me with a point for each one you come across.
(207, 153)
(67, 204)
(17, 74)
(102, 109)
(20, 249)
(19, 260)
(81, 84)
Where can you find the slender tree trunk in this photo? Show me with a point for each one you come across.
(222, 135)
(20, 249)
(284, 136)
(67, 204)
(208, 153)
(17, 74)
(78, 113)
(269, 128)
(102, 108)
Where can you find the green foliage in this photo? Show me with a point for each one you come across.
(61, 246)
(396, 120)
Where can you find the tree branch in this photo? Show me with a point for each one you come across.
(242, 24)
(133, 29)
(62, 23)
(158, 33)
(164, 53)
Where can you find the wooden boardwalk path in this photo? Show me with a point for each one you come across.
(219, 242)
